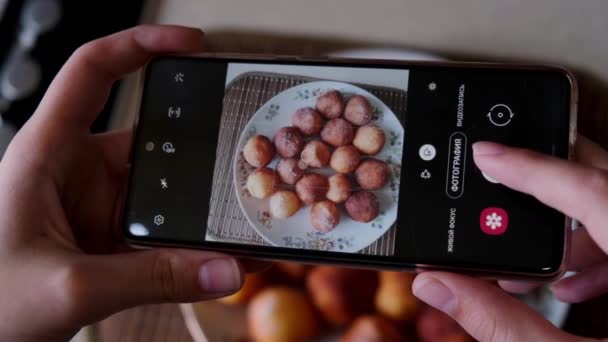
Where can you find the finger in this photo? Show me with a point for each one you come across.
(483, 310)
(589, 283)
(121, 281)
(116, 147)
(589, 153)
(80, 89)
(584, 253)
(576, 190)
(519, 287)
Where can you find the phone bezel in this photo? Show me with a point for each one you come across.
(292, 255)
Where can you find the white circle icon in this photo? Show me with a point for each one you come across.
(427, 152)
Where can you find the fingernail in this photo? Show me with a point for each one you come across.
(220, 276)
(485, 148)
(435, 294)
(145, 36)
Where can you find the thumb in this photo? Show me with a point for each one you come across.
(483, 310)
(107, 284)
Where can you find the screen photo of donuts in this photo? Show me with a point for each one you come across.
(316, 159)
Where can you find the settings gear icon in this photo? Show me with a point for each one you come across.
(159, 220)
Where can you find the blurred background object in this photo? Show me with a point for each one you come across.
(322, 303)
(38, 36)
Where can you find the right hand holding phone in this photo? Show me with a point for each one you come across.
(579, 190)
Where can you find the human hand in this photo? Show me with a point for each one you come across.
(579, 190)
(62, 260)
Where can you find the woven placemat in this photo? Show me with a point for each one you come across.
(243, 97)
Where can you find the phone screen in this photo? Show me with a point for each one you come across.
(362, 163)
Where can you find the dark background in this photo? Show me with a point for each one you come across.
(81, 22)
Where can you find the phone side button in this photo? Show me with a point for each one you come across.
(313, 58)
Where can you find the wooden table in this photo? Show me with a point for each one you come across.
(151, 323)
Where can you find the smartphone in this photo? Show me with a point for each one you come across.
(361, 163)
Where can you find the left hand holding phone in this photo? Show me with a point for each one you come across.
(63, 262)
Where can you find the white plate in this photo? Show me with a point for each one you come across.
(296, 231)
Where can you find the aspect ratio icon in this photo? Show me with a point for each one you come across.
(168, 148)
(174, 112)
(500, 115)
(427, 152)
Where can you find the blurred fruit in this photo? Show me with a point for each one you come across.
(282, 314)
(254, 282)
(394, 298)
(371, 328)
(295, 272)
(342, 294)
(435, 326)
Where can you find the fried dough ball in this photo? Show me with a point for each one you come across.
(294, 271)
(372, 174)
(345, 159)
(290, 170)
(358, 110)
(312, 188)
(254, 283)
(315, 154)
(324, 216)
(338, 132)
(308, 121)
(340, 188)
(394, 298)
(258, 151)
(283, 204)
(330, 104)
(261, 182)
(372, 328)
(342, 294)
(289, 142)
(282, 314)
(369, 139)
(362, 206)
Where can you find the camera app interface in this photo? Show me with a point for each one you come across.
(344, 159)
